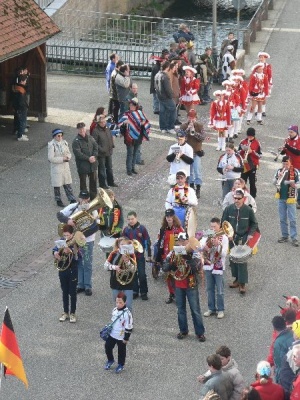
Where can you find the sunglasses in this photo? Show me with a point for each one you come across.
(237, 198)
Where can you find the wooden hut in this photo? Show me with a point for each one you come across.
(25, 27)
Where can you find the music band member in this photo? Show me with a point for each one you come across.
(123, 270)
(286, 181)
(250, 151)
(239, 183)
(195, 137)
(85, 262)
(167, 237)
(258, 92)
(134, 230)
(185, 269)
(180, 155)
(244, 223)
(291, 148)
(230, 165)
(111, 219)
(215, 249)
(68, 274)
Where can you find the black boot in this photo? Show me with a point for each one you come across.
(192, 185)
(198, 191)
(170, 299)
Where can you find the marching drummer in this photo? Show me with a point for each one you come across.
(244, 223)
(181, 196)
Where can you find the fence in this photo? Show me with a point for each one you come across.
(87, 39)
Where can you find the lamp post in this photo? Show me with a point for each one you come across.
(214, 34)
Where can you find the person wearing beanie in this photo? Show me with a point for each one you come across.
(291, 148)
(264, 384)
(59, 156)
(286, 180)
(250, 151)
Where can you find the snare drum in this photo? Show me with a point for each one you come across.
(240, 254)
(107, 244)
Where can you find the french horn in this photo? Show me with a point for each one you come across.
(127, 271)
(66, 258)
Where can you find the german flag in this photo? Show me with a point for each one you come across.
(10, 355)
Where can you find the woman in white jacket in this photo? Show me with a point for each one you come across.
(239, 183)
(59, 156)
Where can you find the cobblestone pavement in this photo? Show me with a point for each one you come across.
(65, 361)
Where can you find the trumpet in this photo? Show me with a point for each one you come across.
(280, 179)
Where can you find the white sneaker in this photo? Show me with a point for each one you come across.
(164, 131)
(64, 317)
(73, 318)
(23, 138)
(220, 314)
(218, 149)
(208, 313)
(172, 131)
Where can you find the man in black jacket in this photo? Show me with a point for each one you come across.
(85, 150)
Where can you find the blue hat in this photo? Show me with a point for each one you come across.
(56, 132)
(181, 133)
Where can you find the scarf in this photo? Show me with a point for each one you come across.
(291, 195)
(214, 256)
(176, 191)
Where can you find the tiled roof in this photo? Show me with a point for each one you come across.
(23, 26)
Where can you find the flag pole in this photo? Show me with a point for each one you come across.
(1, 375)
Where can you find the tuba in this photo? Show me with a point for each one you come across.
(127, 272)
(183, 269)
(66, 258)
(84, 221)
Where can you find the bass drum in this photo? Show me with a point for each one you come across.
(107, 244)
(188, 218)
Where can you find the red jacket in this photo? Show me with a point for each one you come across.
(295, 393)
(257, 85)
(252, 158)
(269, 390)
(220, 112)
(292, 149)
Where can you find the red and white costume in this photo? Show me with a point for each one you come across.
(240, 102)
(189, 88)
(220, 117)
(258, 91)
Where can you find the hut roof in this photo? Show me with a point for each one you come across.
(24, 26)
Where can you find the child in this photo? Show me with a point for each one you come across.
(120, 333)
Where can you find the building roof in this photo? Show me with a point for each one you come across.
(24, 26)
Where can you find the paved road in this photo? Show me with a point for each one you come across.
(64, 361)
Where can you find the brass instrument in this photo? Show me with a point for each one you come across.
(280, 179)
(127, 271)
(183, 269)
(226, 229)
(66, 258)
(137, 246)
(83, 219)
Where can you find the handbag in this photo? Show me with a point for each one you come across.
(105, 332)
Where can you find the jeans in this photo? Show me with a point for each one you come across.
(85, 266)
(105, 171)
(129, 295)
(140, 278)
(167, 114)
(252, 181)
(155, 102)
(207, 88)
(132, 156)
(92, 183)
(21, 122)
(68, 284)
(192, 295)
(213, 282)
(287, 212)
(109, 346)
(227, 186)
(196, 171)
(138, 155)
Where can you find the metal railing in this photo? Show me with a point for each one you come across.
(87, 39)
(254, 25)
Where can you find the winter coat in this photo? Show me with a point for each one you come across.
(221, 383)
(122, 83)
(162, 86)
(104, 140)
(60, 169)
(269, 390)
(281, 346)
(236, 378)
(83, 149)
(288, 369)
